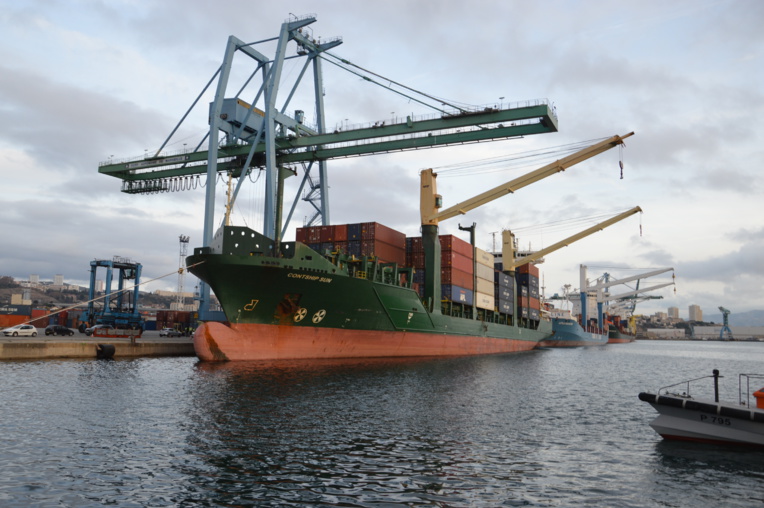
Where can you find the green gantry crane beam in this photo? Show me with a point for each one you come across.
(448, 129)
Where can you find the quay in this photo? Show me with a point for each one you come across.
(80, 345)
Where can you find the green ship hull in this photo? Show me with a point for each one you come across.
(302, 304)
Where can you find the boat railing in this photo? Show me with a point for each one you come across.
(665, 390)
(745, 394)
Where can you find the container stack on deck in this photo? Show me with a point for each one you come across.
(468, 275)
(528, 289)
(360, 239)
(456, 272)
(484, 280)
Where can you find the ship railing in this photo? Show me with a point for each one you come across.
(744, 387)
(667, 390)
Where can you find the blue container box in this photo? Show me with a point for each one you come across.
(456, 294)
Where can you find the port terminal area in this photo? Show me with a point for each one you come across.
(150, 344)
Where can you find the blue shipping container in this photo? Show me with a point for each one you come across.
(456, 294)
(503, 279)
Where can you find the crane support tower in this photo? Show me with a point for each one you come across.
(182, 269)
(120, 304)
(726, 325)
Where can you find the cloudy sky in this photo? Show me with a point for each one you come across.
(82, 81)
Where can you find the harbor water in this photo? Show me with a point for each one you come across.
(558, 427)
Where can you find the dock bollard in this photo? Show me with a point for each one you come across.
(104, 351)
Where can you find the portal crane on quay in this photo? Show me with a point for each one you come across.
(726, 325)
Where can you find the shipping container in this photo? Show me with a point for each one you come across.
(301, 235)
(340, 233)
(502, 279)
(524, 312)
(484, 301)
(354, 231)
(16, 310)
(484, 272)
(534, 303)
(386, 252)
(381, 233)
(451, 275)
(524, 291)
(459, 261)
(414, 244)
(528, 280)
(8, 320)
(505, 307)
(456, 294)
(533, 292)
(529, 268)
(451, 242)
(502, 293)
(534, 314)
(484, 286)
(484, 258)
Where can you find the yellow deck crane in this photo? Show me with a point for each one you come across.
(431, 202)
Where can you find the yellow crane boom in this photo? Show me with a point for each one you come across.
(510, 263)
(431, 201)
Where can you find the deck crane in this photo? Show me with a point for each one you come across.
(508, 240)
(431, 202)
(258, 134)
(726, 325)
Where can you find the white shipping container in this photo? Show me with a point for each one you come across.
(485, 286)
(484, 301)
(484, 258)
(484, 272)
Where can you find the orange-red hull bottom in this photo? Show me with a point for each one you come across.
(221, 342)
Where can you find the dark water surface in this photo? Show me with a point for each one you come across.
(545, 428)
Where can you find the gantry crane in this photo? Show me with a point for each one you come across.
(726, 325)
(258, 134)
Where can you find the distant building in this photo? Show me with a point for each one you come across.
(100, 286)
(58, 280)
(673, 312)
(34, 279)
(695, 313)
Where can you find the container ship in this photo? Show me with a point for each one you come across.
(357, 290)
(567, 332)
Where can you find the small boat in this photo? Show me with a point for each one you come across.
(684, 417)
(568, 333)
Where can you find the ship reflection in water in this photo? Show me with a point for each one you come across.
(547, 427)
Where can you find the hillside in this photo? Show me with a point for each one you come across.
(750, 318)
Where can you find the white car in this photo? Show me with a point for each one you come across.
(20, 330)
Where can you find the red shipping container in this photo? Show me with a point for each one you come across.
(534, 303)
(301, 235)
(341, 233)
(381, 233)
(529, 268)
(325, 233)
(453, 276)
(451, 242)
(415, 259)
(456, 260)
(314, 234)
(384, 251)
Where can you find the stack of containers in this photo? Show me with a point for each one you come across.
(361, 239)
(484, 280)
(456, 272)
(528, 284)
(504, 291)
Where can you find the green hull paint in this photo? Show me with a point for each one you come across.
(302, 288)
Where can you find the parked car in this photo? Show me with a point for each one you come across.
(89, 331)
(20, 331)
(58, 330)
(169, 332)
